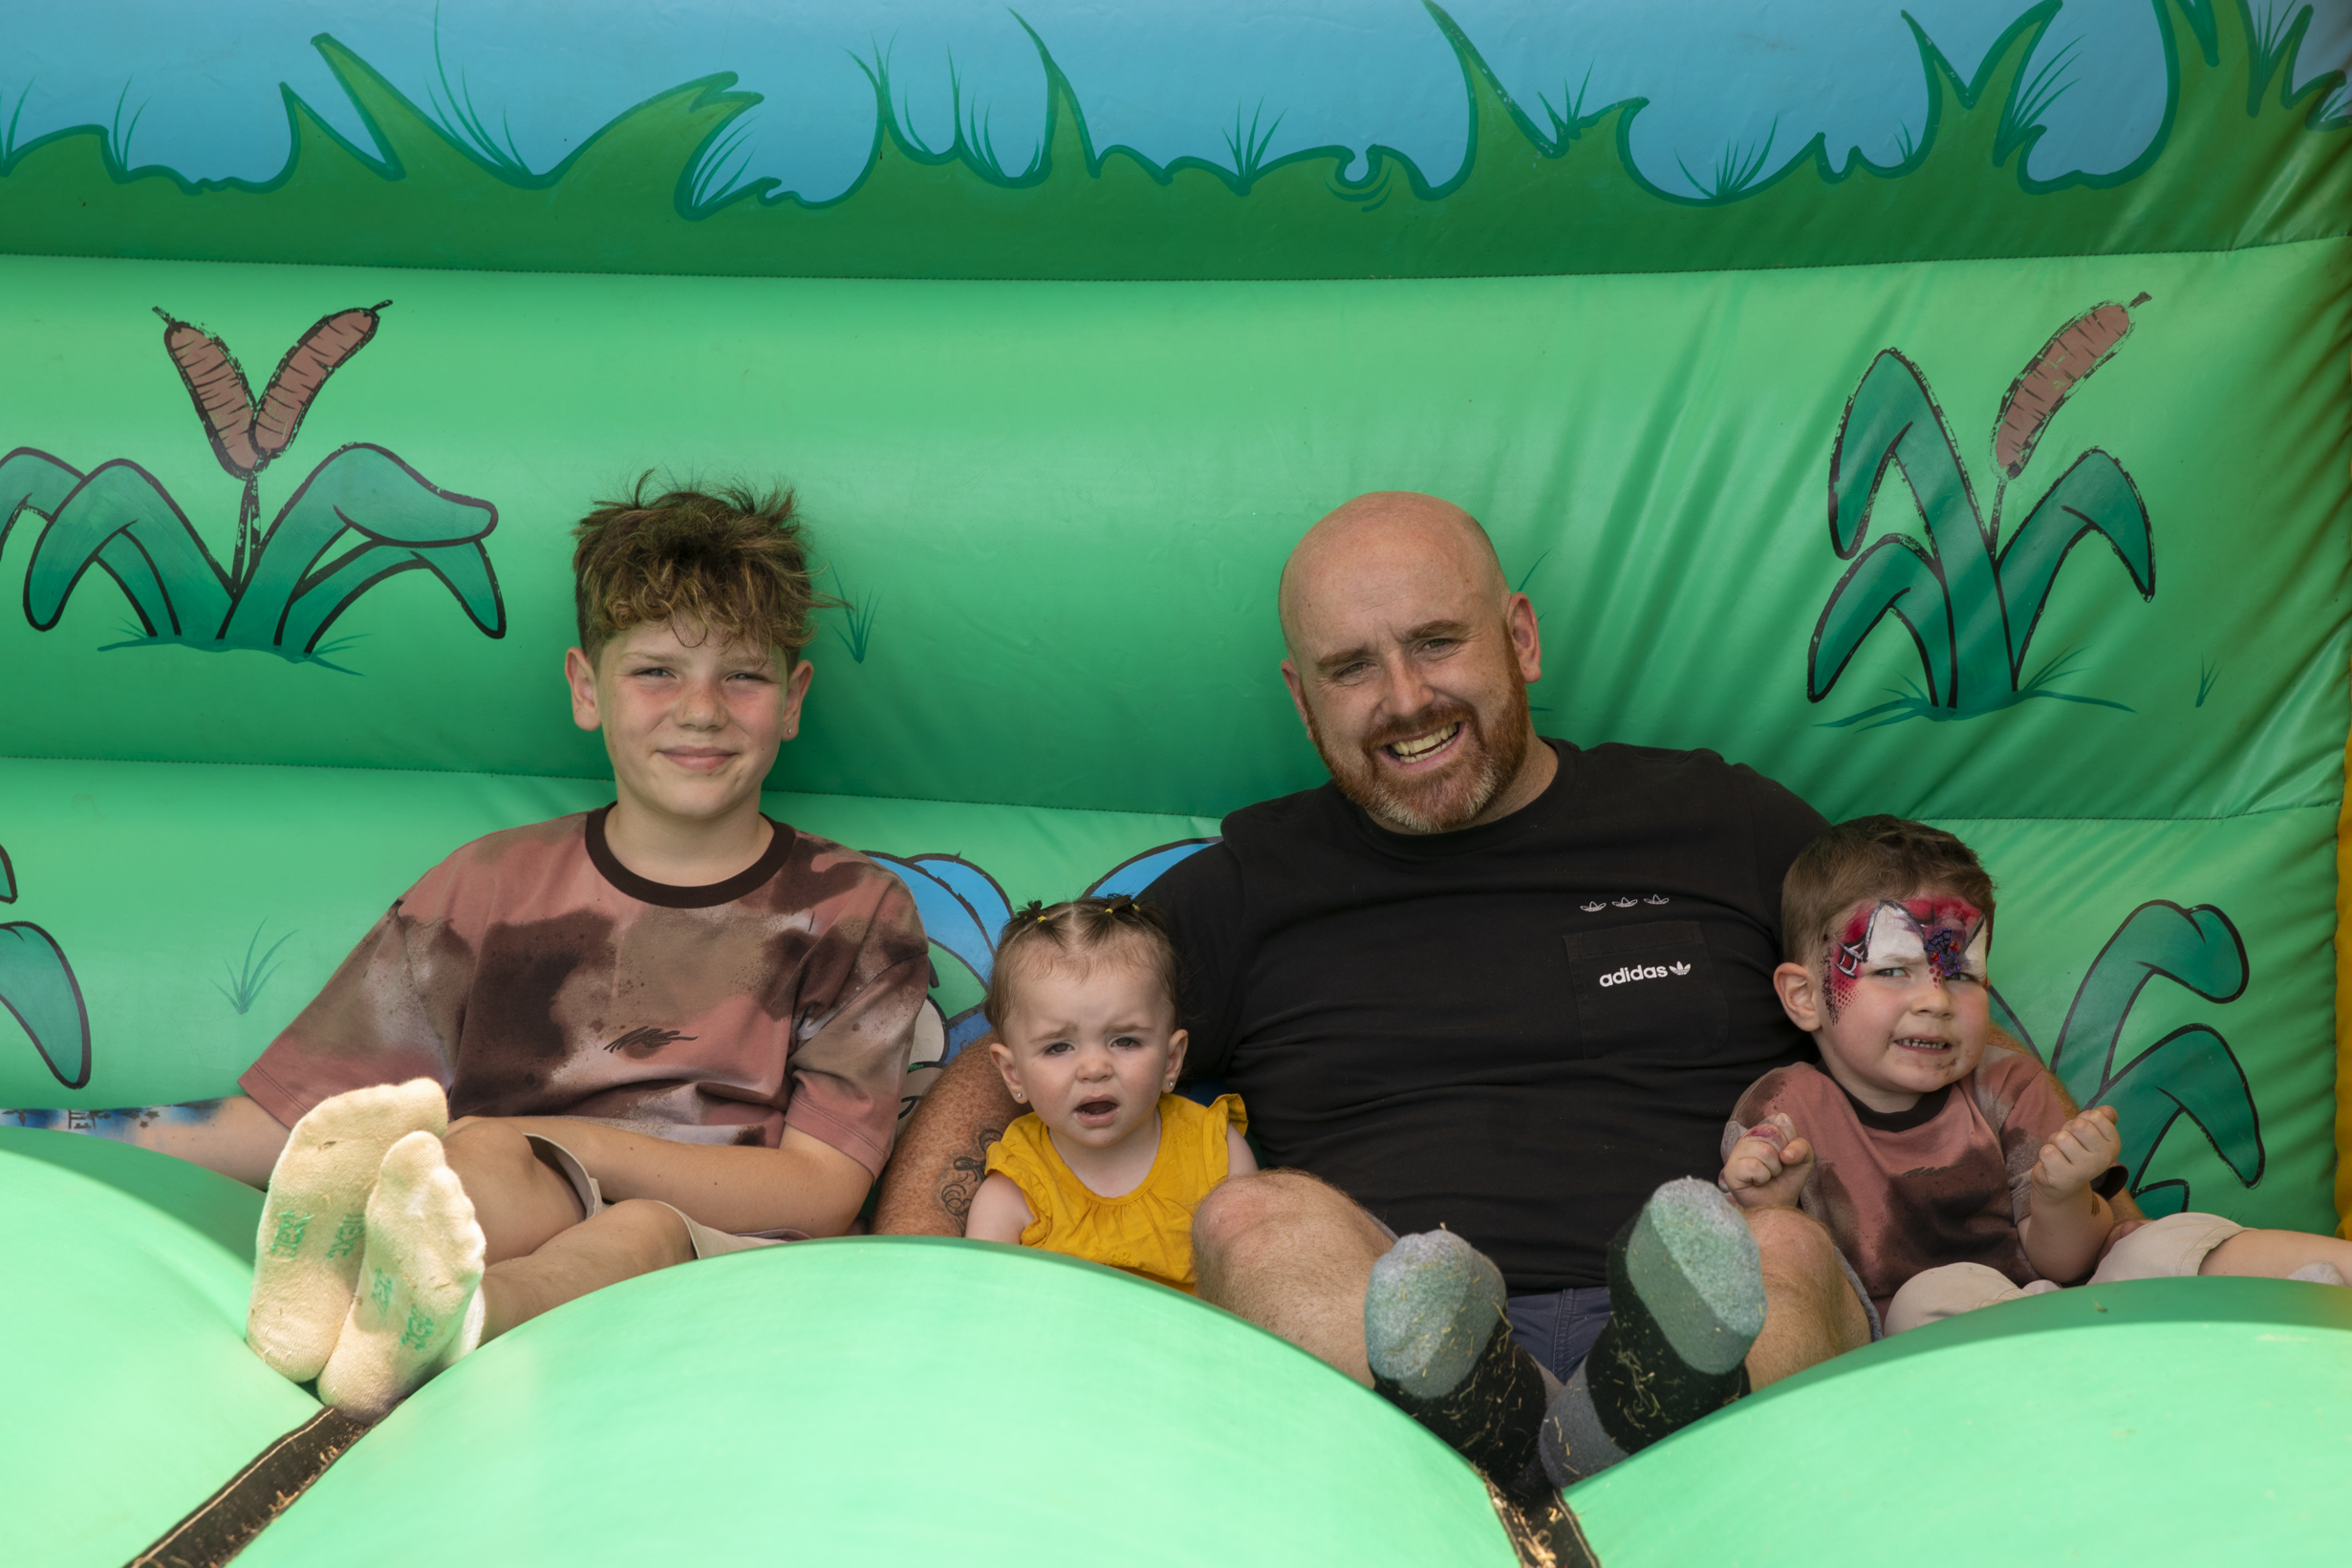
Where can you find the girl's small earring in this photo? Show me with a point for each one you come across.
(1019, 1098)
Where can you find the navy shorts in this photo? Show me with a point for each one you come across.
(1559, 1326)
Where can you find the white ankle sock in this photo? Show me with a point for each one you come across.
(419, 1287)
(306, 1259)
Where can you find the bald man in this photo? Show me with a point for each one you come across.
(1483, 987)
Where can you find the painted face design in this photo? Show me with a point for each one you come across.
(1944, 936)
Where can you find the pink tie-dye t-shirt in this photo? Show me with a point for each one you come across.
(1946, 1182)
(533, 974)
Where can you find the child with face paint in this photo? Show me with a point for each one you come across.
(1947, 1163)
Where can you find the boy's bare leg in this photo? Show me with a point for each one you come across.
(632, 1238)
(521, 1202)
(1810, 1310)
(1294, 1256)
(2277, 1254)
(426, 1296)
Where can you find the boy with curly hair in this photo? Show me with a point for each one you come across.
(581, 1050)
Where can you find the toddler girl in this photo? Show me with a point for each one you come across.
(1108, 1164)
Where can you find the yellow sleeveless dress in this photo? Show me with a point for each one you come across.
(1149, 1231)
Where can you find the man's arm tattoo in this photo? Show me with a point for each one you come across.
(964, 1174)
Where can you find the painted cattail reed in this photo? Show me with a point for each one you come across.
(305, 369)
(245, 433)
(2076, 349)
(217, 383)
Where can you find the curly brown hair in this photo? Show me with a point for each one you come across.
(733, 559)
(1077, 934)
(1871, 857)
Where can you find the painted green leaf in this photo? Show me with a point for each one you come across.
(1893, 420)
(2197, 948)
(2094, 496)
(120, 520)
(403, 522)
(2190, 1072)
(36, 480)
(37, 985)
(1894, 577)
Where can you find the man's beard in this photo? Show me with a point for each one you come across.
(1436, 802)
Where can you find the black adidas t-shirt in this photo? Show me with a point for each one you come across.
(1516, 1031)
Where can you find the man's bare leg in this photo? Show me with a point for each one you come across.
(1810, 1310)
(1294, 1256)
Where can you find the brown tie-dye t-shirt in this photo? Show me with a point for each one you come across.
(533, 974)
(1947, 1181)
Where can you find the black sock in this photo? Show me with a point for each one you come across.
(1686, 1302)
(1492, 1417)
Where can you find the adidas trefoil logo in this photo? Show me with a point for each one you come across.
(1656, 898)
(1596, 906)
(1680, 968)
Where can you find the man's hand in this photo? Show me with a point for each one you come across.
(2076, 1154)
(1768, 1168)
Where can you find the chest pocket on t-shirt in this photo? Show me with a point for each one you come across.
(1649, 989)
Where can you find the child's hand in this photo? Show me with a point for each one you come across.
(1768, 1168)
(2077, 1154)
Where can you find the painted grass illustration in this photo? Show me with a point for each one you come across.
(249, 976)
(1969, 601)
(38, 988)
(659, 188)
(360, 517)
(2190, 1072)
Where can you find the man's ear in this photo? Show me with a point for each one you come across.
(1519, 620)
(1298, 693)
(1177, 1042)
(1800, 996)
(580, 675)
(1001, 1055)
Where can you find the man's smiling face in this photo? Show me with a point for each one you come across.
(1409, 662)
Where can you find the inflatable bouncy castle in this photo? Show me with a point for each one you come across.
(1941, 409)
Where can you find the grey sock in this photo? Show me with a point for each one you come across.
(1694, 1263)
(1433, 1303)
(1686, 1302)
(1441, 1350)
(2321, 1272)
(1575, 1443)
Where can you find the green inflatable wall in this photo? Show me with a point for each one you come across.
(1784, 456)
